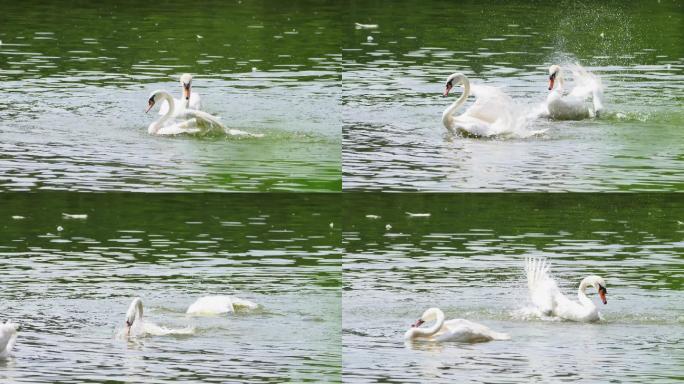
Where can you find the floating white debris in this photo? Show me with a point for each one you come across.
(602, 35)
(59, 228)
(17, 217)
(78, 216)
(200, 36)
(418, 214)
(388, 227)
(332, 225)
(369, 38)
(372, 217)
(365, 26)
(253, 69)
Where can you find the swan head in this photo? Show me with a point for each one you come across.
(429, 315)
(554, 71)
(186, 82)
(132, 313)
(154, 97)
(599, 283)
(453, 79)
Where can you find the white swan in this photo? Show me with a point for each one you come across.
(137, 327)
(8, 336)
(450, 330)
(216, 305)
(550, 301)
(190, 122)
(574, 105)
(489, 115)
(189, 99)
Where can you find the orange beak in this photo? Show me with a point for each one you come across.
(418, 323)
(602, 295)
(552, 79)
(186, 91)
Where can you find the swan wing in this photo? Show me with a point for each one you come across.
(543, 289)
(205, 120)
(468, 331)
(490, 103)
(214, 305)
(211, 305)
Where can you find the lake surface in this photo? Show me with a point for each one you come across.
(68, 283)
(75, 88)
(467, 258)
(394, 76)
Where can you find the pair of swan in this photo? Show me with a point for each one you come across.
(545, 295)
(494, 112)
(183, 116)
(204, 306)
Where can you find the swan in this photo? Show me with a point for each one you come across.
(8, 336)
(450, 330)
(488, 116)
(136, 327)
(550, 301)
(216, 305)
(573, 106)
(189, 100)
(191, 121)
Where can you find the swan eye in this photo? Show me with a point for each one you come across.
(602, 289)
(151, 101)
(553, 76)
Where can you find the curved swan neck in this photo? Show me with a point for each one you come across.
(169, 100)
(135, 310)
(581, 292)
(447, 115)
(439, 321)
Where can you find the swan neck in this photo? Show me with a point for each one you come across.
(159, 123)
(582, 294)
(439, 322)
(447, 116)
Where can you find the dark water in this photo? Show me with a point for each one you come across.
(392, 95)
(467, 258)
(68, 283)
(76, 77)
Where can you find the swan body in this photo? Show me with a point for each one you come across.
(8, 336)
(216, 305)
(550, 301)
(574, 105)
(189, 122)
(189, 99)
(137, 327)
(450, 330)
(488, 116)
